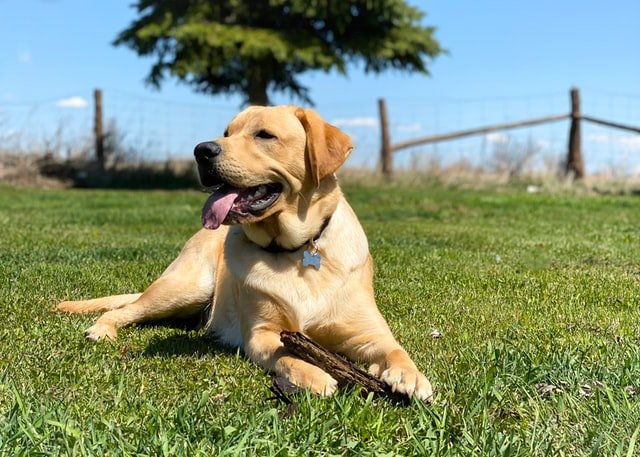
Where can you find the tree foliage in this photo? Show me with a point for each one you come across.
(257, 47)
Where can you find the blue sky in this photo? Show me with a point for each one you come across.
(507, 60)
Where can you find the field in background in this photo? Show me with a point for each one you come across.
(508, 167)
(156, 129)
(148, 141)
(534, 295)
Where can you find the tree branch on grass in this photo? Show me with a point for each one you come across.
(341, 369)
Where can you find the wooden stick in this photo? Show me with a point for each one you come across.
(341, 369)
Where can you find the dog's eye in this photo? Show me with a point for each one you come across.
(226, 133)
(263, 134)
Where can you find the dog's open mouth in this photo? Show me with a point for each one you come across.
(228, 201)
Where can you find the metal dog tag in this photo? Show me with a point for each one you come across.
(311, 259)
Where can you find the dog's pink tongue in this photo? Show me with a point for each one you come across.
(216, 208)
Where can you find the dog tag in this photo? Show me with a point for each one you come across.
(311, 259)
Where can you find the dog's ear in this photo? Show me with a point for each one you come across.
(327, 146)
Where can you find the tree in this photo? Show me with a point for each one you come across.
(257, 47)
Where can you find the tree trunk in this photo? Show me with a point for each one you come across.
(257, 82)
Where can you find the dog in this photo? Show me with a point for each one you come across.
(280, 249)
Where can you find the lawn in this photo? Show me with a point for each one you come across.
(535, 297)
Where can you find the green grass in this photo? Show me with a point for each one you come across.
(525, 289)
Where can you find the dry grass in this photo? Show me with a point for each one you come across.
(465, 176)
(51, 171)
(25, 170)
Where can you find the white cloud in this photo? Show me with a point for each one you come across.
(497, 138)
(541, 144)
(7, 134)
(630, 142)
(624, 142)
(369, 122)
(598, 138)
(415, 127)
(72, 102)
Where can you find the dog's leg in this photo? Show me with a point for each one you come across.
(369, 339)
(183, 290)
(264, 347)
(97, 305)
(173, 295)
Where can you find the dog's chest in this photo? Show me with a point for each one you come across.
(301, 291)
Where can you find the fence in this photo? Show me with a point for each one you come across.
(151, 128)
(574, 161)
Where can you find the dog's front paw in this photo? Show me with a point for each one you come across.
(101, 331)
(408, 381)
(315, 379)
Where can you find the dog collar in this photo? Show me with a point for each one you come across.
(311, 257)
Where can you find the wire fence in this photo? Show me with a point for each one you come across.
(545, 145)
(153, 128)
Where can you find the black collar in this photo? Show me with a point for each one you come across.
(274, 247)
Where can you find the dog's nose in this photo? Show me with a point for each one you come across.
(207, 151)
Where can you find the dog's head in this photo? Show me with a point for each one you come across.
(268, 159)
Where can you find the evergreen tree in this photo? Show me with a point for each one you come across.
(257, 47)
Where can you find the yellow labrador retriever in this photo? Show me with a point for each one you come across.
(280, 249)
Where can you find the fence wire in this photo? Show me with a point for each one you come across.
(153, 128)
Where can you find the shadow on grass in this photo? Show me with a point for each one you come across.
(170, 175)
(191, 342)
(138, 179)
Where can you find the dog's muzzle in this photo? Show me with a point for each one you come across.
(229, 202)
(206, 154)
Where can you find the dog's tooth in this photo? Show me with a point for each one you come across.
(260, 191)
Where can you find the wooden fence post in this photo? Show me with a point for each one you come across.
(98, 128)
(575, 164)
(386, 153)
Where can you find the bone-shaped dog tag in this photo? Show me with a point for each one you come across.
(311, 259)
